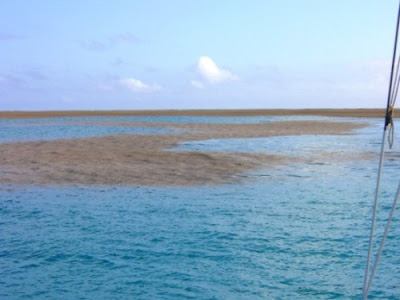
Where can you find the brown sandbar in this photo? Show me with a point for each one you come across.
(361, 112)
(148, 160)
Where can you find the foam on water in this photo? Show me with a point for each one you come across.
(294, 232)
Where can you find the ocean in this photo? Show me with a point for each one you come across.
(296, 231)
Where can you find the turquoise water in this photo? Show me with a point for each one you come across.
(214, 119)
(294, 232)
(65, 128)
(297, 145)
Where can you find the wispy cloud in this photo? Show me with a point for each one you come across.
(94, 45)
(125, 37)
(109, 42)
(197, 84)
(8, 37)
(139, 86)
(20, 78)
(11, 80)
(212, 73)
(36, 74)
(105, 87)
(118, 62)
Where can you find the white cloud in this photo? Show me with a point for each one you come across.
(137, 85)
(212, 73)
(197, 84)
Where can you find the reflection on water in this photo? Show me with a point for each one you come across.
(293, 232)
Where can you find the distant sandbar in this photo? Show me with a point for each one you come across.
(369, 113)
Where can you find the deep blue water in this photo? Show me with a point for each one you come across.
(294, 232)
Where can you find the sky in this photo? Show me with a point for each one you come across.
(98, 54)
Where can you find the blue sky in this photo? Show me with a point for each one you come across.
(195, 54)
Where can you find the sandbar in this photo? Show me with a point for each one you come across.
(150, 160)
(360, 112)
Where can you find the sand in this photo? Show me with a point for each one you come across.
(150, 160)
(370, 113)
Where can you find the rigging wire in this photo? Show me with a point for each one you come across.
(391, 104)
(385, 234)
(392, 96)
(395, 89)
(374, 213)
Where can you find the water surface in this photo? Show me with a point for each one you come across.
(293, 232)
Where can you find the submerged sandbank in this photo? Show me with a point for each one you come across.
(148, 160)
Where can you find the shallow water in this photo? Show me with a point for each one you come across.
(294, 232)
(297, 145)
(219, 119)
(65, 128)
(83, 127)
